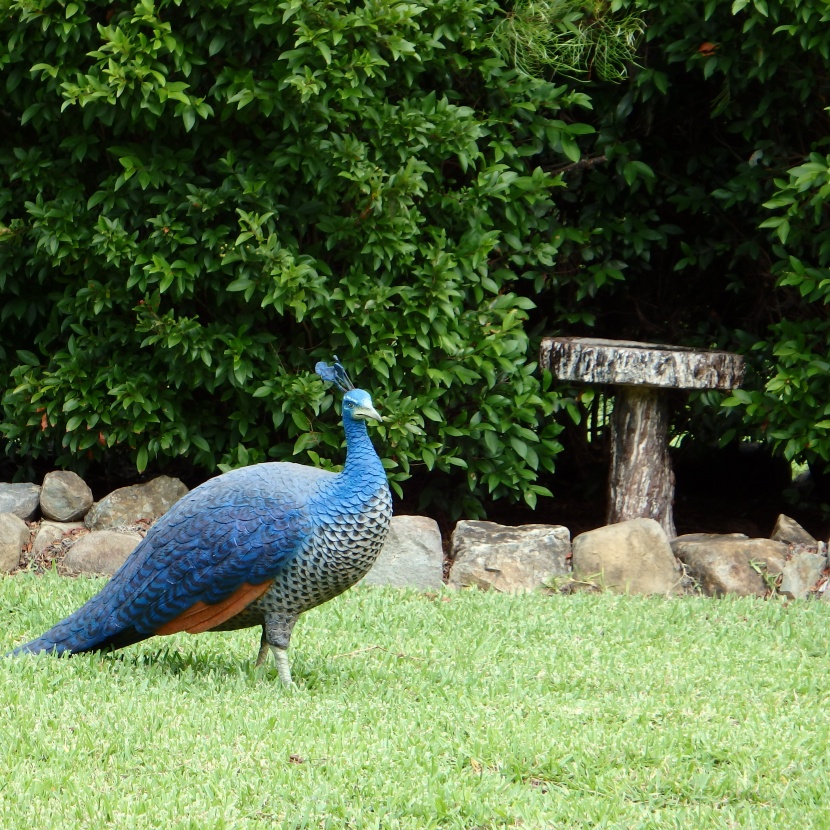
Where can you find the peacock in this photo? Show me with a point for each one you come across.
(256, 546)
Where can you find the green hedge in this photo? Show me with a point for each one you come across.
(201, 199)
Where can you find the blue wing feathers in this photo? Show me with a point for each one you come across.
(244, 526)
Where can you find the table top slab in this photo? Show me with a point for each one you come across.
(631, 363)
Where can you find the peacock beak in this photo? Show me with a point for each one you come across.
(366, 412)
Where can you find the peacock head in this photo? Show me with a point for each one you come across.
(357, 404)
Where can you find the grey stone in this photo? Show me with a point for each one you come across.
(139, 502)
(65, 496)
(100, 552)
(49, 532)
(14, 533)
(632, 556)
(412, 556)
(20, 499)
(801, 574)
(790, 531)
(731, 563)
(508, 559)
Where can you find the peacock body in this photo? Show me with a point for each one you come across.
(257, 546)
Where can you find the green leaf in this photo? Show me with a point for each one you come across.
(304, 442)
(30, 112)
(491, 441)
(217, 43)
(300, 420)
(240, 284)
(199, 442)
(96, 199)
(28, 358)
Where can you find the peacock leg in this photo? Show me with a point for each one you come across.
(283, 669)
(263, 649)
(276, 635)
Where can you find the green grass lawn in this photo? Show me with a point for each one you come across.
(461, 710)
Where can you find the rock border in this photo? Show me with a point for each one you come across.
(634, 556)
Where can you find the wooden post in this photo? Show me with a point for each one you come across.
(641, 481)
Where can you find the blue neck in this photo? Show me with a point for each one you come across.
(361, 459)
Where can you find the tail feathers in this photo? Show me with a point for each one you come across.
(38, 645)
(93, 627)
(76, 644)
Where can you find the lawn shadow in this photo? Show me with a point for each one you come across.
(174, 661)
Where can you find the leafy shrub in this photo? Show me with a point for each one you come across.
(202, 198)
(791, 405)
